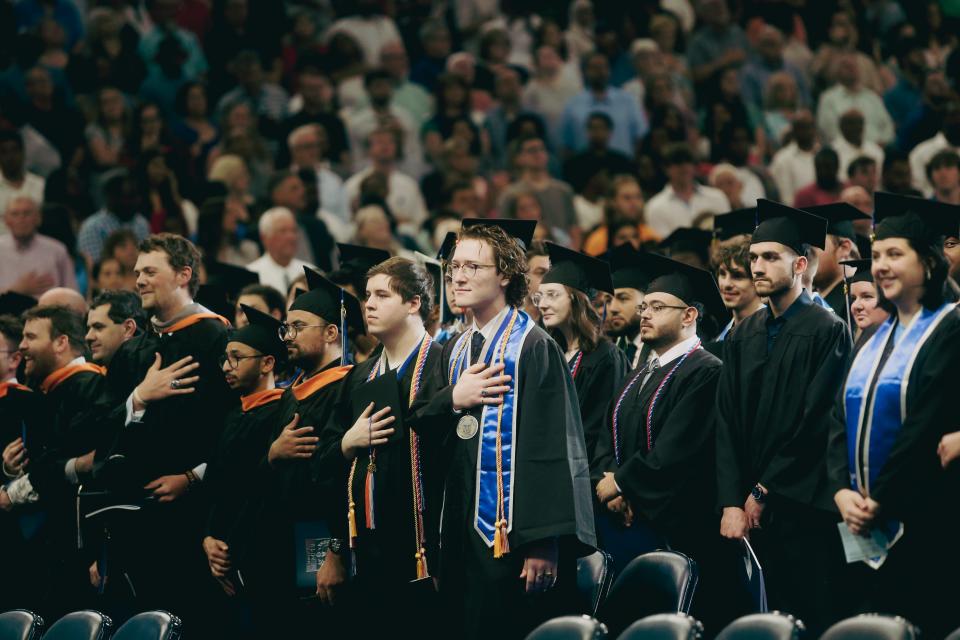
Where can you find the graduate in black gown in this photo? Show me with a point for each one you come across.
(623, 319)
(865, 312)
(596, 365)
(505, 407)
(174, 413)
(782, 368)
(394, 478)
(304, 500)
(656, 450)
(731, 263)
(18, 404)
(56, 458)
(892, 414)
(235, 542)
(840, 244)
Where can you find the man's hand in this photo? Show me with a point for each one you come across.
(480, 384)
(84, 463)
(754, 511)
(14, 458)
(5, 503)
(948, 449)
(607, 488)
(227, 585)
(853, 510)
(95, 577)
(734, 524)
(540, 567)
(620, 506)
(156, 384)
(293, 443)
(218, 556)
(331, 575)
(367, 431)
(873, 508)
(169, 488)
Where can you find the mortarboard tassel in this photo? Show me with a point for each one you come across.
(368, 487)
(343, 330)
(501, 545)
(352, 508)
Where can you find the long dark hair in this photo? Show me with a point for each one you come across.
(174, 221)
(935, 289)
(584, 322)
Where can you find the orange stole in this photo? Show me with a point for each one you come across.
(260, 398)
(4, 386)
(192, 320)
(53, 380)
(307, 388)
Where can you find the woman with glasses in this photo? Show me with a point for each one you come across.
(596, 365)
(896, 407)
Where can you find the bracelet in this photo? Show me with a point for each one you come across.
(192, 478)
(137, 399)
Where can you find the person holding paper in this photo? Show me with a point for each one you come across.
(782, 368)
(517, 508)
(393, 477)
(893, 413)
(236, 537)
(656, 468)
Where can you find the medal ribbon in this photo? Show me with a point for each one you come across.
(656, 395)
(493, 510)
(575, 364)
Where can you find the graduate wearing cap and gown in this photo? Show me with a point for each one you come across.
(943, 217)
(517, 507)
(354, 261)
(889, 419)
(451, 322)
(739, 222)
(303, 496)
(597, 371)
(630, 279)
(840, 244)
(394, 488)
(782, 368)
(656, 468)
(865, 312)
(236, 541)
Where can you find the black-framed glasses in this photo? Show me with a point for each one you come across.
(291, 331)
(469, 269)
(657, 307)
(234, 361)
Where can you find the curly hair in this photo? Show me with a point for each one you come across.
(508, 256)
(733, 254)
(409, 279)
(181, 253)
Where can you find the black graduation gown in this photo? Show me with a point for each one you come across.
(20, 410)
(671, 487)
(597, 378)
(772, 422)
(913, 488)
(551, 496)
(838, 302)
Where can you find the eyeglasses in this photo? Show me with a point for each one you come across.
(291, 331)
(469, 269)
(234, 361)
(657, 307)
(549, 296)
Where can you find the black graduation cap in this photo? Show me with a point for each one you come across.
(521, 230)
(577, 270)
(735, 223)
(447, 246)
(262, 334)
(686, 282)
(863, 246)
(840, 217)
(627, 267)
(688, 240)
(918, 219)
(359, 257)
(862, 274)
(14, 303)
(214, 297)
(230, 279)
(325, 299)
(788, 226)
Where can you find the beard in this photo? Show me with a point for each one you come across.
(630, 329)
(773, 288)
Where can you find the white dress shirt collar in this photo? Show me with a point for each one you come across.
(677, 350)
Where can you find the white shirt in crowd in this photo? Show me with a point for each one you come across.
(921, 156)
(667, 212)
(847, 153)
(32, 188)
(404, 199)
(275, 275)
(792, 170)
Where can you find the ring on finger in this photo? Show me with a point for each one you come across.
(175, 384)
(483, 393)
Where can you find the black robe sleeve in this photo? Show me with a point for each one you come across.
(602, 372)
(731, 451)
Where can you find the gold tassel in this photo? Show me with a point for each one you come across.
(422, 571)
(501, 546)
(352, 522)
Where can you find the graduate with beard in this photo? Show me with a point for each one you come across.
(517, 508)
(623, 317)
(596, 365)
(18, 403)
(393, 477)
(782, 368)
(304, 500)
(886, 460)
(55, 457)
(236, 535)
(657, 448)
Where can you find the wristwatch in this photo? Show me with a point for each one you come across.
(758, 494)
(335, 545)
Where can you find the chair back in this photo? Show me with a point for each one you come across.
(664, 626)
(150, 625)
(872, 626)
(763, 626)
(655, 582)
(569, 628)
(81, 625)
(20, 624)
(594, 577)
